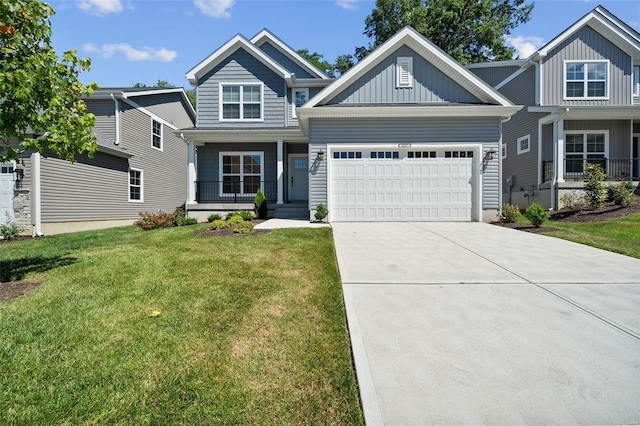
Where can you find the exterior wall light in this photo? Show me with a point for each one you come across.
(19, 172)
(491, 154)
(320, 155)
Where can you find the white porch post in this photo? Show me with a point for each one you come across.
(280, 172)
(559, 151)
(191, 174)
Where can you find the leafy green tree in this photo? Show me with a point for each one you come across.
(41, 104)
(469, 31)
(346, 61)
(317, 60)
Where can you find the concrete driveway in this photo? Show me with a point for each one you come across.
(470, 323)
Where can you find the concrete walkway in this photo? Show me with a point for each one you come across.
(470, 323)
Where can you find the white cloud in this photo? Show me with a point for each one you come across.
(100, 7)
(347, 4)
(215, 8)
(132, 54)
(525, 46)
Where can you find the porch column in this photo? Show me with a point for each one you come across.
(191, 173)
(280, 172)
(558, 130)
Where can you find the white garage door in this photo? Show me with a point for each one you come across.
(6, 193)
(401, 185)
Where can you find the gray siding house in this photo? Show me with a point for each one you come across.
(139, 166)
(581, 93)
(406, 134)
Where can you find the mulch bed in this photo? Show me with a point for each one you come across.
(13, 289)
(607, 212)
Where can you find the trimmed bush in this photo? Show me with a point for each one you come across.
(594, 190)
(620, 194)
(260, 205)
(321, 212)
(213, 217)
(188, 221)
(149, 221)
(9, 230)
(218, 224)
(572, 201)
(510, 213)
(235, 219)
(243, 228)
(244, 214)
(536, 214)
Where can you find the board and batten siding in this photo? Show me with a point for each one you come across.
(241, 67)
(105, 112)
(494, 75)
(168, 106)
(619, 134)
(209, 158)
(379, 84)
(284, 60)
(585, 45)
(394, 131)
(521, 91)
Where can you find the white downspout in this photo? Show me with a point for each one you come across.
(117, 117)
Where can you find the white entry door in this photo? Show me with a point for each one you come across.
(298, 177)
(391, 186)
(6, 193)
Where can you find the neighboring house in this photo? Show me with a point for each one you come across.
(407, 134)
(139, 166)
(581, 93)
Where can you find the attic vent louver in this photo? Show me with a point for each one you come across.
(404, 72)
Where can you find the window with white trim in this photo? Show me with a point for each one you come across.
(241, 172)
(504, 151)
(583, 147)
(299, 98)
(156, 134)
(135, 185)
(586, 80)
(404, 71)
(524, 144)
(636, 80)
(241, 102)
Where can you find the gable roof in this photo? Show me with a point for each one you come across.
(265, 36)
(430, 52)
(237, 42)
(605, 23)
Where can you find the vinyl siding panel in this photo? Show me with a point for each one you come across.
(586, 44)
(521, 91)
(494, 75)
(104, 110)
(284, 60)
(324, 131)
(619, 134)
(547, 142)
(244, 68)
(169, 107)
(379, 85)
(209, 158)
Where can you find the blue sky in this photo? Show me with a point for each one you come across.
(133, 41)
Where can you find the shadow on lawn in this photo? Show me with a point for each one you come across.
(16, 269)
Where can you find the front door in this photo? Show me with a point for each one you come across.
(298, 177)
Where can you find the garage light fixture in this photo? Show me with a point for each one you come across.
(320, 155)
(491, 154)
(19, 172)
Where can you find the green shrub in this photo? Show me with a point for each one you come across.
(178, 216)
(594, 190)
(235, 219)
(536, 214)
(188, 221)
(243, 228)
(321, 212)
(260, 205)
(213, 217)
(244, 214)
(218, 224)
(572, 201)
(510, 213)
(9, 230)
(149, 221)
(620, 194)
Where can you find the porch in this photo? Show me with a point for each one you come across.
(617, 169)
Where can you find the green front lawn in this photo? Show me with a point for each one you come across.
(617, 235)
(250, 331)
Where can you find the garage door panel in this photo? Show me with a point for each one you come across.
(401, 189)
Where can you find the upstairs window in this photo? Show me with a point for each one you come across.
(404, 71)
(241, 102)
(156, 134)
(586, 80)
(300, 97)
